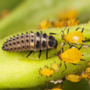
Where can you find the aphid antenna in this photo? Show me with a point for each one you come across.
(58, 33)
(82, 60)
(80, 28)
(80, 47)
(75, 64)
(65, 67)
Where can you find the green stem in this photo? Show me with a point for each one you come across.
(17, 71)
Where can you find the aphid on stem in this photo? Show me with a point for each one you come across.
(72, 55)
(74, 37)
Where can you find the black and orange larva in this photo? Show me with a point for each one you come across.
(31, 42)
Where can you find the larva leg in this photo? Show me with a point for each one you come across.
(39, 54)
(47, 54)
(29, 54)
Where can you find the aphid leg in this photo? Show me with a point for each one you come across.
(82, 59)
(60, 63)
(80, 47)
(65, 67)
(62, 49)
(67, 30)
(65, 27)
(53, 55)
(82, 30)
(85, 38)
(75, 64)
(77, 28)
(69, 45)
(46, 53)
(29, 54)
(39, 54)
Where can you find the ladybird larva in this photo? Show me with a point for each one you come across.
(30, 42)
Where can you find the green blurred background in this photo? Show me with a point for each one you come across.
(24, 15)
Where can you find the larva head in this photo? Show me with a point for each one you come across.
(74, 37)
(73, 78)
(72, 55)
(52, 42)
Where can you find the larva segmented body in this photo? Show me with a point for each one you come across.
(30, 42)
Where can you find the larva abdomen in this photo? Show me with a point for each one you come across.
(30, 42)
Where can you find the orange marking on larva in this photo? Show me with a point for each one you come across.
(55, 67)
(74, 37)
(72, 55)
(73, 78)
(46, 72)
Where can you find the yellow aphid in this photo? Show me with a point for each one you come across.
(56, 88)
(87, 70)
(4, 13)
(59, 23)
(55, 67)
(72, 22)
(68, 15)
(84, 75)
(73, 78)
(72, 55)
(74, 37)
(88, 63)
(46, 72)
(89, 22)
(44, 24)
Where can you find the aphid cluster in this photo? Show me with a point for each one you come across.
(30, 42)
(68, 18)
